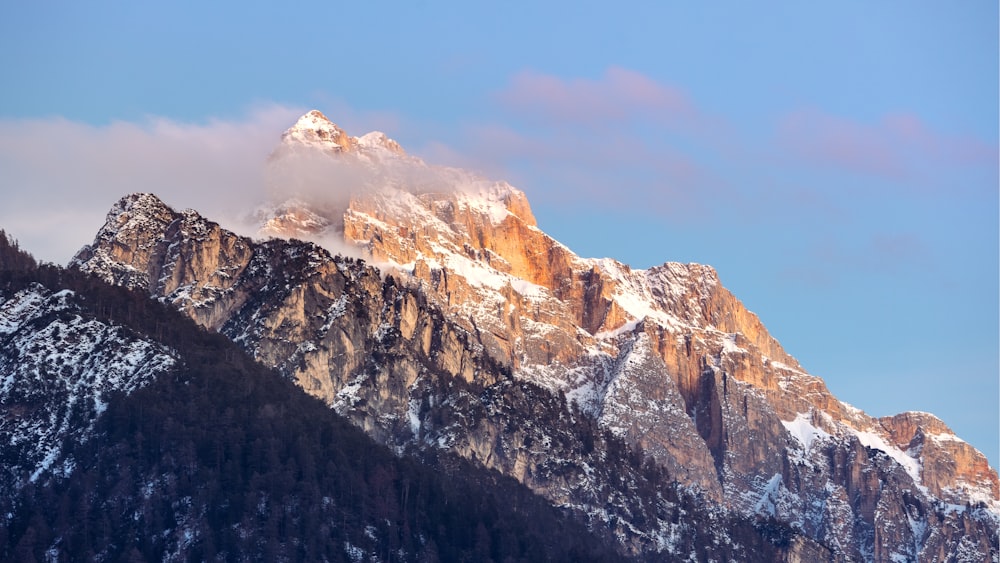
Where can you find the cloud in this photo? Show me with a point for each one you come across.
(328, 184)
(59, 177)
(622, 141)
(897, 147)
(625, 140)
(842, 143)
(620, 94)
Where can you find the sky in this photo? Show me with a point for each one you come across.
(835, 162)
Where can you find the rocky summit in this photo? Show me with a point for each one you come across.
(642, 400)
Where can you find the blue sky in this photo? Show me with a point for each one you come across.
(837, 164)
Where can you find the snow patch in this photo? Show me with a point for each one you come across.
(729, 345)
(803, 430)
(877, 442)
(767, 497)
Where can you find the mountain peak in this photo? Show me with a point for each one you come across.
(315, 114)
(132, 209)
(312, 120)
(315, 130)
(138, 201)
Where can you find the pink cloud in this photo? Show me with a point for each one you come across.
(842, 143)
(898, 146)
(620, 94)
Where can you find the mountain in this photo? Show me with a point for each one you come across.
(629, 396)
(130, 433)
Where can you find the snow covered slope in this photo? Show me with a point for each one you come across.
(58, 366)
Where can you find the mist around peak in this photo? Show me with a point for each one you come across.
(61, 176)
(318, 162)
(317, 170)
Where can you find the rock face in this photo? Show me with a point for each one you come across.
(950, 467)
(665, 359)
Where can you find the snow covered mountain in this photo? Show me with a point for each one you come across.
(665, 361)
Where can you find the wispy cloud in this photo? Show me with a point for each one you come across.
(896, 147)
(628, 141)
(75, 171)
(619, 95)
